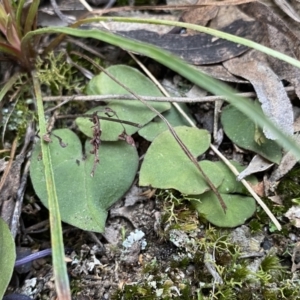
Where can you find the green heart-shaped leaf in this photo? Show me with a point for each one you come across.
(239, 206)
(166, 165)
(151, 130)
(7, 256)
(244, 132)
(230, 185)
(83, 199)
(239, 209)
(128, 110)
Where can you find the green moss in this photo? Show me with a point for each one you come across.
(151, 268)
(239, 273)
(270, 263)
(225, 293)
(181, 264)
(289, 186)
(271, 281)
(75, 287)
(132, 292)
(255, 226)
(177, 212)
(55, 72)
(289, 190)
(270, 294)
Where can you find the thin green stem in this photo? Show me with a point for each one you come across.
(59, 264)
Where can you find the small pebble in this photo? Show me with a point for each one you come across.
(293, 237)
(190, 270)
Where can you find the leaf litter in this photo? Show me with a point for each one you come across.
(265, 76)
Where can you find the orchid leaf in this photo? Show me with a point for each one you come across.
(239, 205)
(239, 208)
(128, 110)
(231, 185)
(166, 165)
(7, 256)
(247, 134)
(83, 200)
(151, 130)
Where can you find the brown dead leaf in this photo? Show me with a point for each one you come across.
(291, 23)
(288, 9)
(257, 164)
(148, 193)
(221, 73)
(201, 49)
(293, 214)
(258, 188)
(11, 183)
(181, 2)
(288, 161)
(227, 15)
(266, 15)
(199, 16)
(281, 43)
(276, 199)
(269, 89)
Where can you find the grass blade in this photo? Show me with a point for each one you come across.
(181, 67)
(59, 265)
(210, 31)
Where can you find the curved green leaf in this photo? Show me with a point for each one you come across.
(239, 206)
(166, 165)
(83, 200)
(246, 134)
(239, 209)
(129, 110)
(230, 185)
(151, 130)
(7, 256)
(59, 265)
